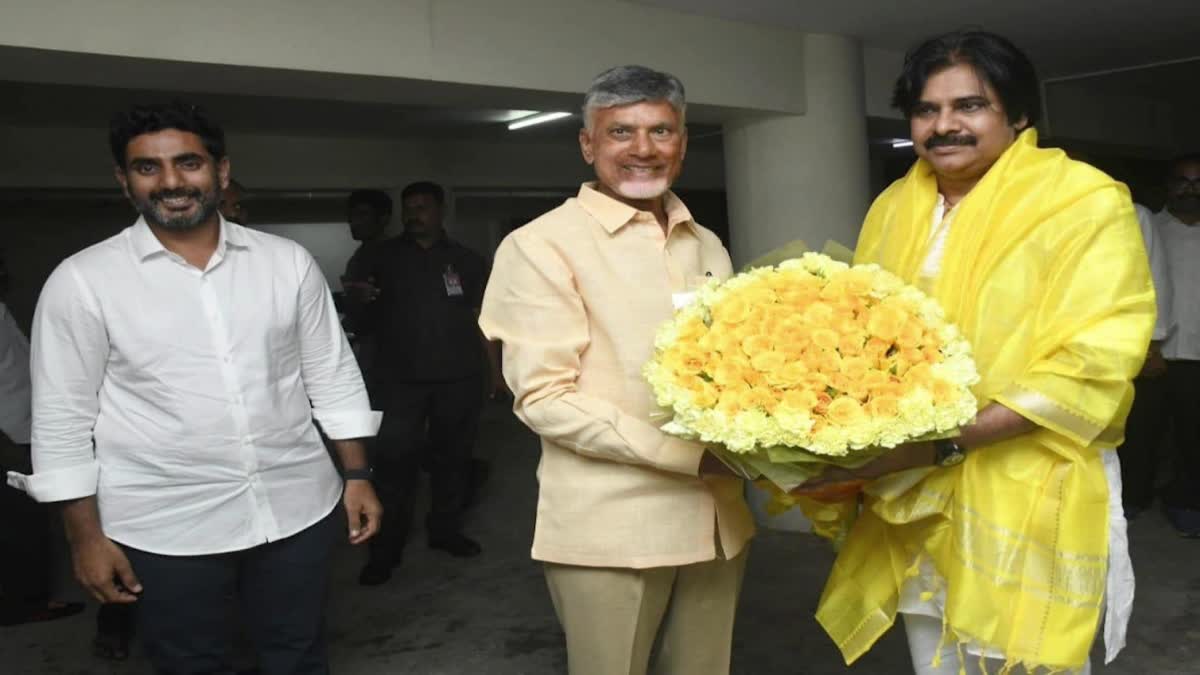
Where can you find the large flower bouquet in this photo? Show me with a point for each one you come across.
(788, 368)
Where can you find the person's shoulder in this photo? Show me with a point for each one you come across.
(102, 254)
(266, 241)
(706, 236)
(560, 222)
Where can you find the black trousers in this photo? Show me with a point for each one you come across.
(184, 615)
(25, 540)
(434, 422)
(1170, 401)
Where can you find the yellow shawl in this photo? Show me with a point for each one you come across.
(1046, 274)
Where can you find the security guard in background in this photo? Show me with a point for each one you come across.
(429, 371)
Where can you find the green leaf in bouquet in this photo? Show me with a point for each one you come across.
(838, 252)
(771, 258)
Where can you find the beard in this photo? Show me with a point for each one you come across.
(1188, 204)
(156, 213)
(641, 190)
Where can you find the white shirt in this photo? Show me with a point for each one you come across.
(1182, 246)
(1159, 270)
(14, 379)
(195, 387)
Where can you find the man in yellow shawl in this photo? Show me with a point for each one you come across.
(1003, 546)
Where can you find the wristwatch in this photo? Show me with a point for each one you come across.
(358, 474)
(948, 453)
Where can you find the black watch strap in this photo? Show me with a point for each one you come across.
(358, 474)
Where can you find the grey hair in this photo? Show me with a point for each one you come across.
(625, 85)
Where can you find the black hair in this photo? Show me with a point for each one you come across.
(995, 59)
(424, 188)
(152, 117)
(376, 199)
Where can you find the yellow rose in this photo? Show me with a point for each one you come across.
(754, 345)
(818, 314)
(731, 309)
(825, 338)
(757, 398)
(883, 407)
(753, 377)
(886, 321)
(768, 362)
(912, 355)
(855, 368)
(727, 374)
(845, 411)
(792, 374)
(829, 362)
(875, 380)
(706, 397)
(919, 373)
(876, 347)
(943, 392)
(800, 400)
(910, 335)
(692, 330)
(729, 403)
(823, 401)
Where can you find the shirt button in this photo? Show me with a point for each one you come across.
(228, 358)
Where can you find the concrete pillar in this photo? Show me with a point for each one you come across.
(801, 177)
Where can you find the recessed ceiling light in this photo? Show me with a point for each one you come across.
(539, 118)
(901, 143)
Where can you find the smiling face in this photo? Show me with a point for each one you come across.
(637, 150)
(959, 125)
(172, 180)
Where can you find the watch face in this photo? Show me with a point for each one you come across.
(949, 453)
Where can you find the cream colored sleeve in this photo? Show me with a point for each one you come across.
(533, 307)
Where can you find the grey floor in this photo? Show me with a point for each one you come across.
(441, 615)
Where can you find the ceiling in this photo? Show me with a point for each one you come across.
(1064, 37)
(1067, 39)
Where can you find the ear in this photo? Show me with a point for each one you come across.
(123, 180)
(683, 143)
(585, 146)
(223, 172)
(1021, 124)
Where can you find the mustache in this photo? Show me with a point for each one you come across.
(160, 195)
(937, 141)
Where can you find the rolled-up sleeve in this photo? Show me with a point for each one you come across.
(532, 306)
(68, 352)
(331, 376)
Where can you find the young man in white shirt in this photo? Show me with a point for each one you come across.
(194, 354)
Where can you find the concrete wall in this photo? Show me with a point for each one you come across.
(880, 69)
(79, 158)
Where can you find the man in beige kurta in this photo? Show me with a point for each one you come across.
(643, 535)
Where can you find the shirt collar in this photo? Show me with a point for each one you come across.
(145, 244)
(613, 215)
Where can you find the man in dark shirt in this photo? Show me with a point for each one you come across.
(429, 368)
(368, 212)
